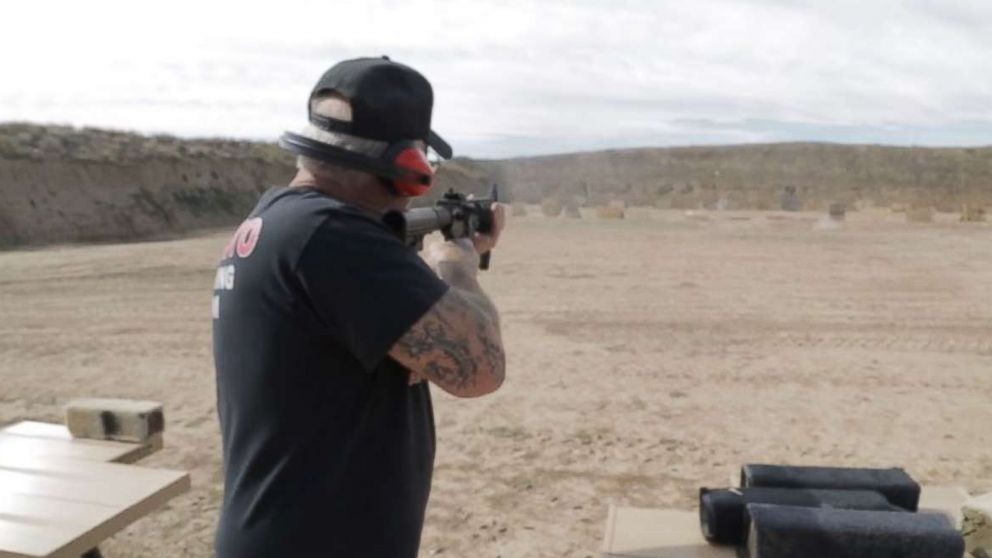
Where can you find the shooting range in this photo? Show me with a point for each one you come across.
(744, 291)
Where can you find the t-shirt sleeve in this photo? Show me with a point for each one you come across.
(365, 286)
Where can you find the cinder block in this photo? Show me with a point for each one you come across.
(977, 525)
(124, 420)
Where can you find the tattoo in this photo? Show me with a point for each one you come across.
(456, 343)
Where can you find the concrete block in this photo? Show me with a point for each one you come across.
(114, 419)
(919, 215)
(976, 525)
(610, 212)
(572, 210)
(551, 207)
(944, 499)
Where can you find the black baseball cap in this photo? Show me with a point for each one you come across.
(389, 102)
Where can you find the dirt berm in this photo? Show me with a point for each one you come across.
(760, 176)
(60, 184)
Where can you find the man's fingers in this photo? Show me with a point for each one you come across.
(499, 216)
(485, 242)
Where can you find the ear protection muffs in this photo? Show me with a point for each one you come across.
(403, 165)
(412, 161)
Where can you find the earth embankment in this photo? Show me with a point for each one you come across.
(809, 176)
(60, 184)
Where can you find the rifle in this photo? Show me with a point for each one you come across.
(455, 215)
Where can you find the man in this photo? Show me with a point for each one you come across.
(326, 326)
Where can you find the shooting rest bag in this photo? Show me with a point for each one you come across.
(791, 532)
(895, 484)
(723, 513)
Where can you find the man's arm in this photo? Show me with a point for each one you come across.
(457, 344)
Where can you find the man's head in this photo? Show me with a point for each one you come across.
(369, 128)
(335, 106)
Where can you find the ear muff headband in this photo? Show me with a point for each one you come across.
(403, 164)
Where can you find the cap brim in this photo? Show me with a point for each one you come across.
(439, 146)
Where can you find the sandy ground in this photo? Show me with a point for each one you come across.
(647, 357)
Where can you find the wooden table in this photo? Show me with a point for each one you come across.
(60, 497)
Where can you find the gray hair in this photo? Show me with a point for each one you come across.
(334, 106)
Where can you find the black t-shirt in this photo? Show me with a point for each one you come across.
(328, 451)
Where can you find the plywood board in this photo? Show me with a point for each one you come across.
(944, 499)
(54, 439)
(654, 533)
(38, 430)
(61, 507)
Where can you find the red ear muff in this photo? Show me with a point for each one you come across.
(416, 171)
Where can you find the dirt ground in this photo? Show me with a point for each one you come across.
(647, 357)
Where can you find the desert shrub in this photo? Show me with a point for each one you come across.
(972, 214)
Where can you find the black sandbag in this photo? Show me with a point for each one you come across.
(895, 484)
(723, 513)
(791, 532)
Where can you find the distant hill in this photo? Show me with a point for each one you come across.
(757, 176)
(62, 184)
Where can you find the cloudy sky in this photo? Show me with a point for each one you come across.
(515, 77)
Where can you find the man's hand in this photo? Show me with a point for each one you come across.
(457, 261)
(486, 242)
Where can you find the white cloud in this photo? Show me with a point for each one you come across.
(520, 77)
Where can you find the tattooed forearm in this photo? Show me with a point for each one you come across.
(448, 359)
(456, 345)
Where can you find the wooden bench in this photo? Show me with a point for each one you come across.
(61, 496)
